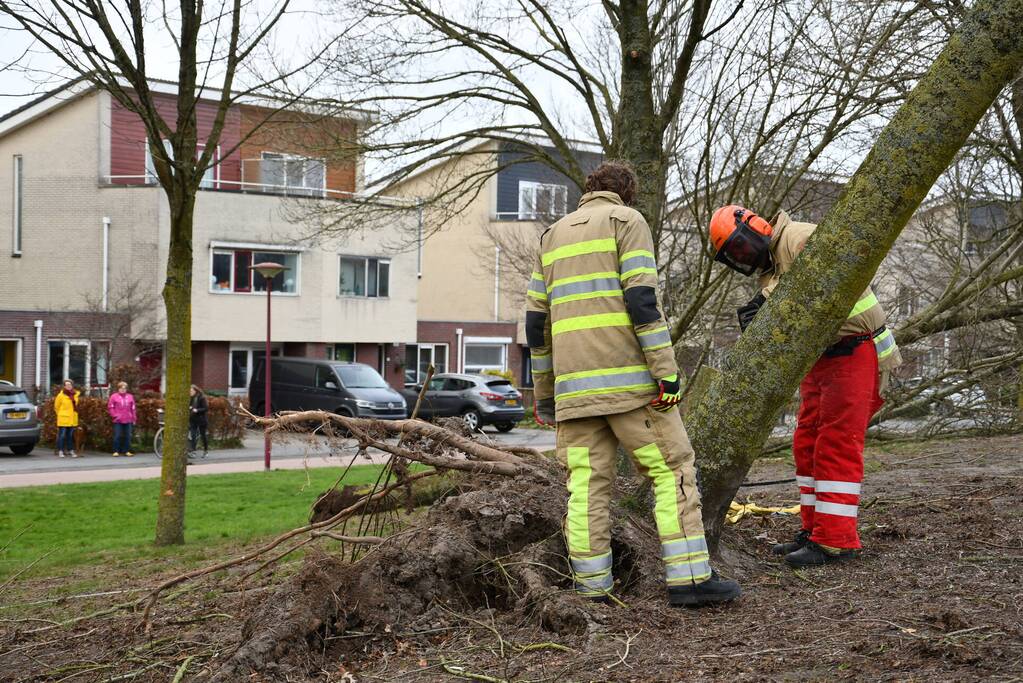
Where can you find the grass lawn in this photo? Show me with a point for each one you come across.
(73, 524)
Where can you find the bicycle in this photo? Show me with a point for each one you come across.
(158, 439)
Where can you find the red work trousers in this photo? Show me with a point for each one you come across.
(838, 398)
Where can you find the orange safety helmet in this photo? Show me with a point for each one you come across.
(741, 239)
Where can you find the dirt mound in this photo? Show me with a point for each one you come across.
(498, 546)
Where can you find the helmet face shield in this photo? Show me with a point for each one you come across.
(745, 251)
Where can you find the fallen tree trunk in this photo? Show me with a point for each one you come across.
(729, 425)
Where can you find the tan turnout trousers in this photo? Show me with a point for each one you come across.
(661, 450)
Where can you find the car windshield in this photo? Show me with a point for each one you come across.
(8, 397)
(360, 377)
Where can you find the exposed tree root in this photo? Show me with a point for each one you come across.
(498, 546)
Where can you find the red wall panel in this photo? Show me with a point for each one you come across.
(128, 140)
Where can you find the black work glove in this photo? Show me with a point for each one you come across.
(543, 410)
(669, 393)
(749, 311)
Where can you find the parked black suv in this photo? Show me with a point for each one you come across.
(352, 389)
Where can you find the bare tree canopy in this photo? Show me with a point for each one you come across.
(215, 50)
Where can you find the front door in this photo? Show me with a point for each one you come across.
(449, 401)
(10, 360)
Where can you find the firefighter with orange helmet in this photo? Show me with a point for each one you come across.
(838, 396)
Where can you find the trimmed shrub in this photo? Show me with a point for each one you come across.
(506, 374)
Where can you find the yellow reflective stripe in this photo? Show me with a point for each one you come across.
(637, 252)
(698, 555)
(536, 276)
(601, 372)
(638, 271)
(579, 249)
(589, 322)
(582, 278)
(605, 293)
(536, 295)
(665, 489)
(863, 304)
(578, 522)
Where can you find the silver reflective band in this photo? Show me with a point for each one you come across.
(625, 379)
(660, 337)
(634, 262)
(804, 481)
(687, 570)
(590, 565)
(683, 546)
(807, 499)
(586, 287)
(541, 363)
(884, 343)
(849, 487)
(595, 584)
(835, 509)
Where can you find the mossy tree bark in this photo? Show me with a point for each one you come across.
(177, 298)
(731, 422)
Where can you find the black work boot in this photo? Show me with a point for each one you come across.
(812, 555)
(709, 592)
(596, 599)
(792, 546)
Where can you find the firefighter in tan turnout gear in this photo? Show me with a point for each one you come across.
(838, 396)
(604, 370)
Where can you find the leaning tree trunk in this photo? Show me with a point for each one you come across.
(177, 297)
(802, 317)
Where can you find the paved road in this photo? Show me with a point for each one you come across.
(42, 467)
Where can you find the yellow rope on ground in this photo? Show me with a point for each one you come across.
(738, 511)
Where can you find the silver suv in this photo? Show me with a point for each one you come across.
(479, 399)
(19, 424)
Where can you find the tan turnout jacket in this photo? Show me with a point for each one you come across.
(787, 240)
(592, 359)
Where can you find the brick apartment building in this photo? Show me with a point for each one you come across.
(88, 232)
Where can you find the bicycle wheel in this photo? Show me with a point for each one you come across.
(158, 443)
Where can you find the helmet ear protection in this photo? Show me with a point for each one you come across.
(742, 239)
(754, 222)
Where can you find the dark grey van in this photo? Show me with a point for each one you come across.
(352, 389)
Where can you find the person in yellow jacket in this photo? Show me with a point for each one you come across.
(838, 396)
(604, 371)
(65, 405)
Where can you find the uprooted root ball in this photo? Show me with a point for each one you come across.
(498, 546)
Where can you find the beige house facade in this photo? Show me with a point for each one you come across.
(84, 249)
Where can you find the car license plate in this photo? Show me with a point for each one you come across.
(20, 415)
(511, 402)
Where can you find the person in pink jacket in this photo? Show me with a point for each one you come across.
(121, 407)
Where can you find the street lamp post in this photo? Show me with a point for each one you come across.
(269, 271)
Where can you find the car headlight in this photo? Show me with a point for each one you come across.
(363, 404)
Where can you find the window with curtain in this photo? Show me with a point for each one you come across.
(364, 276)
(230, 271)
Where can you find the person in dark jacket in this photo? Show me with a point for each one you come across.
(197, 419)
